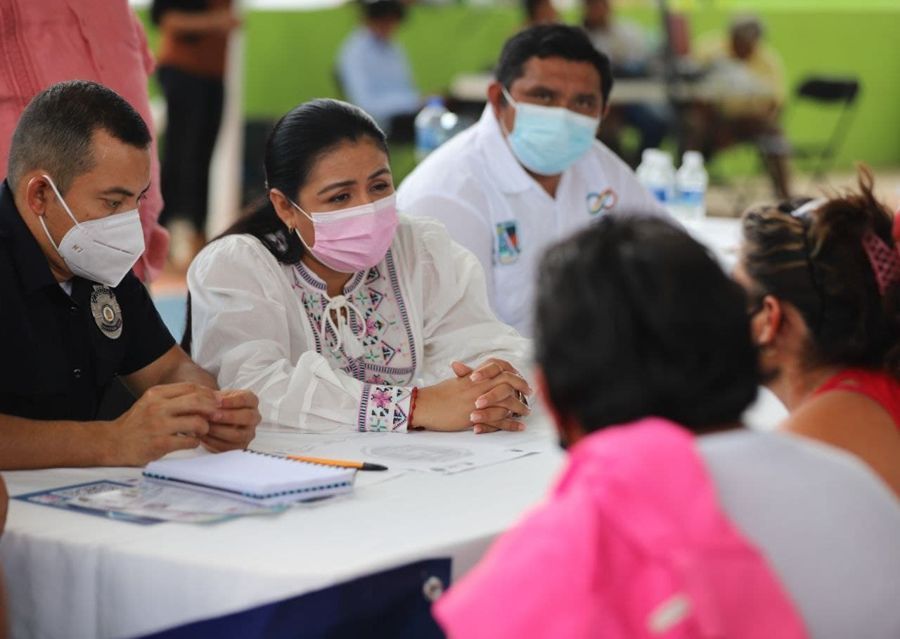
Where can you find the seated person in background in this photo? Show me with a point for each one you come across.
(340, 315)
(824, 281)
(743, 96)
(670, 519)
(530, 170)
(539, 12)
(631, 52)
(374, 71)
(74, 316)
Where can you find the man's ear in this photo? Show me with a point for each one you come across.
(496, 100)
(38, 194)
(567, 428)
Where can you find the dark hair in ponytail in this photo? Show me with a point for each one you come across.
(817, 262)
(296, 143)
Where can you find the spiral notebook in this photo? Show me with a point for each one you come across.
(247, 474)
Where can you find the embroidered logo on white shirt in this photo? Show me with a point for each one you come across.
(508, 249)
(602, 201)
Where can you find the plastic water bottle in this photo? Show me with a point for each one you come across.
(690, 186)
(657, 174)
(430, 133)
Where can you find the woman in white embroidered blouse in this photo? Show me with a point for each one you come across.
(336, 312)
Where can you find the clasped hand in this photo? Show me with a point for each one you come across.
(487, 398)
(177, 416)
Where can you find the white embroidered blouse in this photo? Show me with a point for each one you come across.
(268, 327)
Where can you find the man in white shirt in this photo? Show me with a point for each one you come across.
(530, 171)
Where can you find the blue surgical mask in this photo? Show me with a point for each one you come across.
(548, 140)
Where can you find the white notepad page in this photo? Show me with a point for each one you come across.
(257, 475)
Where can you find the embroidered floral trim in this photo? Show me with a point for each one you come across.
(384, 408)
(389, 350)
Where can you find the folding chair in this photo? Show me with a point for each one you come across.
(835, 93)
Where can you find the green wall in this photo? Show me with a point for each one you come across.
(290, 56)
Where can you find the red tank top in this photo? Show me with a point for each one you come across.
(878, 386)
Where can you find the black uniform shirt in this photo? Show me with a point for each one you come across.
(58, 352)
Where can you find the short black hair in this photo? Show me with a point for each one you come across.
(54, 132)
(636, 319)
(383, 9)
(552, 41)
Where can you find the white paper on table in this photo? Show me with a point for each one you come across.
(443, 453)
(157, 500)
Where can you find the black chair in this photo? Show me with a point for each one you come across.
(834, 93)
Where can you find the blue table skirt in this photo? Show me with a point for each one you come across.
(394, 604)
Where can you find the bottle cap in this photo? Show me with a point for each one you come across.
(692, 158)
(656, 157)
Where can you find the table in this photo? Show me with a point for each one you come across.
(721, 234)
(472, 87)
(73, 575)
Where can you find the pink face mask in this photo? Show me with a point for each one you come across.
(353, 239)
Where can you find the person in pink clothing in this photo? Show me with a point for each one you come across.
(42, 43)
(670, 520)
(4, 504)
(632, 542)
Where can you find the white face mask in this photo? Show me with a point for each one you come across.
(103, 250)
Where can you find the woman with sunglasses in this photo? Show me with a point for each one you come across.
(823, 277)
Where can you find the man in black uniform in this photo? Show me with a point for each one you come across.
(72, 314)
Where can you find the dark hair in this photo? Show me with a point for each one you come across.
(531, 7)
(746, 26)
(816, 261)
(383, 9)
(55, 131)
(296, 143)
(552, 41)
(636, 319)
(159, 8)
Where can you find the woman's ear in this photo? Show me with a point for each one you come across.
(769, 321)
(283, 208)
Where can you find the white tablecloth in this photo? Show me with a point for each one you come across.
(73, 575)
(721, 234)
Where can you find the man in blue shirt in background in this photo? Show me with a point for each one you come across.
(374, 71)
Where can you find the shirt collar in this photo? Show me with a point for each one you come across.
(505, 169)
(30, 262)
(311, 279)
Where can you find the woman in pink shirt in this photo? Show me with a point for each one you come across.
(642, 342)
(45, 42)
(670, 520)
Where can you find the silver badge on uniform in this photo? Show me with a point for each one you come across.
(106, 311)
